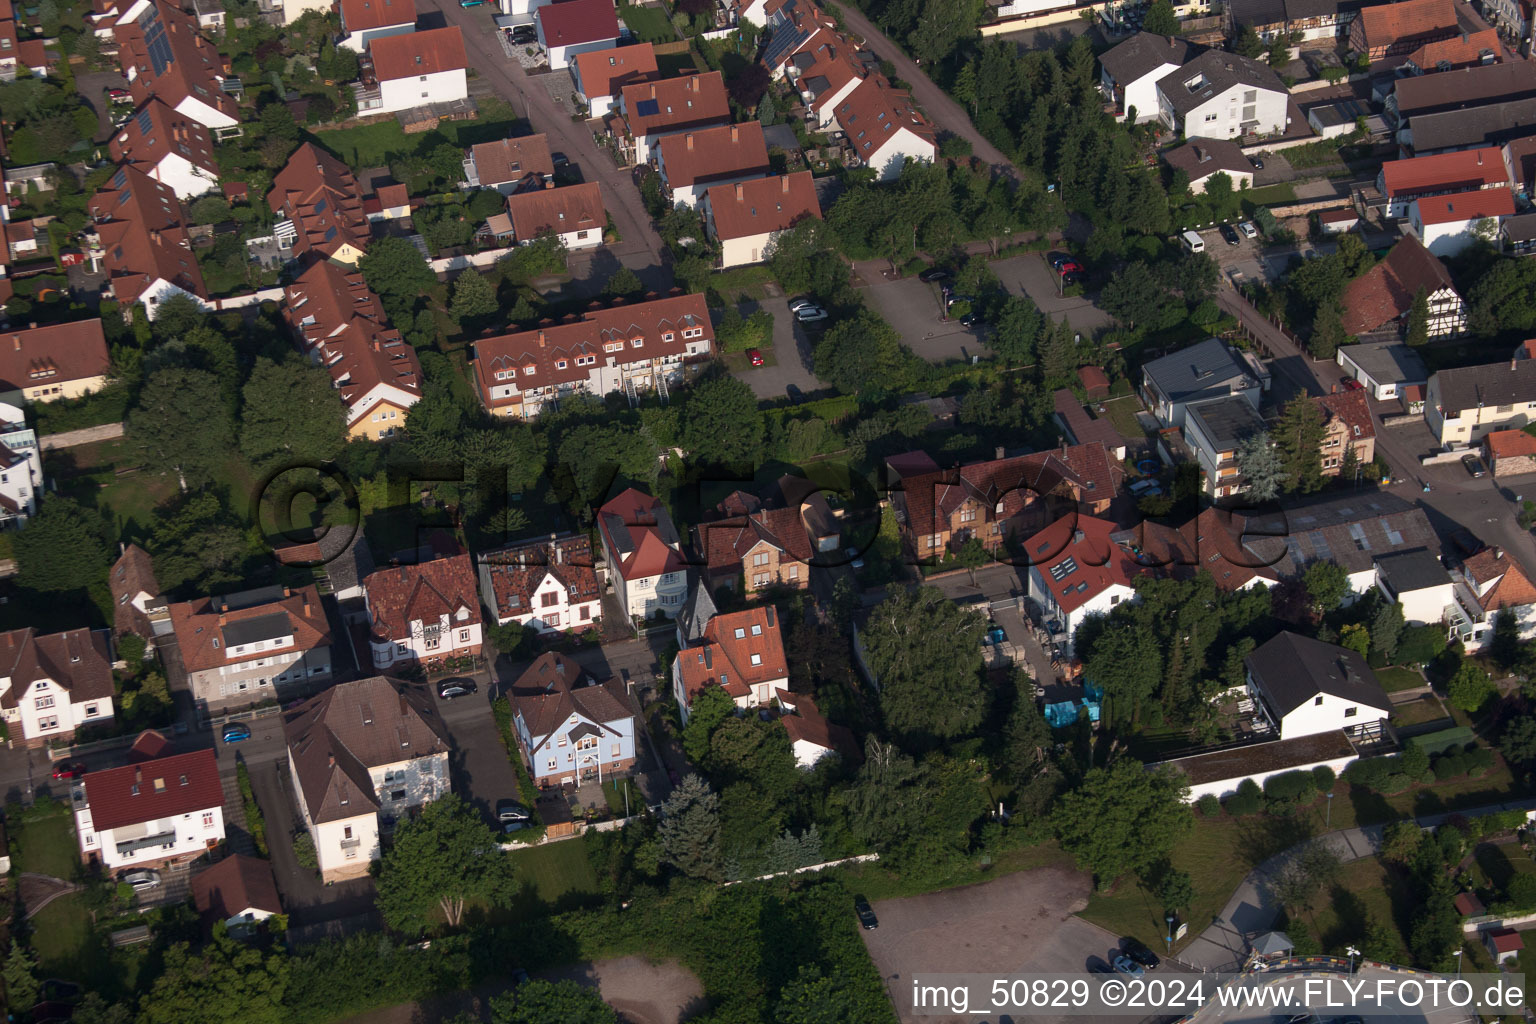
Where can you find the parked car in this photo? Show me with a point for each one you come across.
(1248, 230)
(934, 274)
(511, 810)
(974, 320)
(524, 34)
(950, 298)
(1465, 541)
(798, 304)
(856, 558)
(866, 914)
(119, 94)
(1068, 267)
(1230, 234)
(508, 827)
(810, 314)
(1056, 259)
(1071, 279)
(756, 356)
(1258, 163)
(140, 878)
(1138, 952)
(237, 732)
(69, 769)
(1125, 965)
(1473, 464)
(459, 686)
(1351, 384)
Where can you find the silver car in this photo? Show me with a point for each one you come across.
(141, 879)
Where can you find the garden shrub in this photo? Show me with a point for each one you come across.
(1247, 800)
(1209, 805)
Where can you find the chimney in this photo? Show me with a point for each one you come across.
(653, 90)
(784, 184)
(735, 134)
(376, 344)
(287, 592)
(739, 196)
(306, 606)
(541, 339)
(1512, 364)
(16, 341)
(689, 137)
(138, 775)
(693, 84)
(997, 453)
(330, 760)
(222, 618)
(559, 555)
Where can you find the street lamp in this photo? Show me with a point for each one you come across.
(1329, 821)
(1457, 955)
(1353, 952)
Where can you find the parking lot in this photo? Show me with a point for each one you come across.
(791, 374)
(1029, 274)
(915, 308)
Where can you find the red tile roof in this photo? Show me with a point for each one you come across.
(762, 206)
(874, 111)
(151, 790)
(559, 210)
(319, 194)
(640, 533)
(1465, 169)
(809, 725)
(553, 354)
(1386, 291)
(512, 159)
(393, 195)
(155, 132)
(1501, 582)
(1506, 940)
(200, 626)
(833, 61)
(604, 72)
(1466, 206)
(726, 542)
(738, 650)
(78, 660)
(234, 885)
(1100, 562)
(418, 53)
(53, 354)
(1457, 51)
(578, 21)
(1505, 444)
(556, 687)
(516, 572)
(1093, 379)
(132, 574)
(722, 151)
(401, 595)
(673, 104)
(1352, 408)
(139, 222)
(195, 68)
(360, 15)
(1385, 24)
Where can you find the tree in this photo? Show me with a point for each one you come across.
(473, 297)
(689, 830)
(1326, 584)
(1386, 628)
(926, 652)
(890, 795)
(1400, 842)
(1248, 43)
(1418, 319)
(1470, 688)
(819, 996)
(1355, 637)
(1505, 647)
(1328, 333)
(1309, 870)
(1122, 818)
(64, 547)
(1138, 297)
(1260, 466)
(1298, 438)
(197, 541)
(224, 982)
(863, 355)
(1279, 52)
(291, 414)
(21, 986)
(624, 284)
(441, 859)
(972, 556)
(1176, 890)
(394, 268)
(181, 425)
(722, 422)
(1018, 329)
(1125, 660)
(1161, 20)
(537, 1002)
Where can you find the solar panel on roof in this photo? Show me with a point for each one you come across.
(1320, 546)
(647, 108)
(1393, 537)
(157, 43)
(120, 179)
(144, 123)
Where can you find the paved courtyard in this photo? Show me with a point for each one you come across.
(915, 308)
(791, 375)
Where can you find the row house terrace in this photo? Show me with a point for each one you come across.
(320, 207)
(550, 585)
(649, 111)
(1403, 182)
(629, 347)
(164, 56)
(168, 146)
(139, 240)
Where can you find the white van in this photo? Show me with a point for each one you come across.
(1193, 242)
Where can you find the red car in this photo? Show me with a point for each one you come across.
(1351, 384)
(118, 94)
(756, 356)
(1069, 267)
(69, 770)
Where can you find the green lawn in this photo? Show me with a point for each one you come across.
(62, 938)
(614, 790)
(1425, 709)
(1269, 195)
(874, 882)
(556, 870)
(1122, 413)
(43, 841)
(649, 24)
(1395, 678)
(1362, 896)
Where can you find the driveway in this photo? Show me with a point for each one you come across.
(92, 87)
(1020, 923)
(791, 373)
(1029, 274)
(915, 309)
(478, 763)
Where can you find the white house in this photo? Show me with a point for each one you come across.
(169, 147)
(811, 736)
(740, 652)
(549, 585)
(239, 891)
(575, 27)
(521, 12)
(745, 217)
(692, 163)
(419, 69)
(573, 213)
(1464, 404)
(423, 613)
(570, 728)
(643, 553)
(1076, 571)
(363, 21)
(362, 755)
(1303, 687)
(1486, 584)
(884, 128)
(1129, 72)
(150, 812)
(1417, 581)
(1199, 373)
(51, 685)
(21, 467)
(601, 75)
(1448, 224)
(293, 10)
(1223, 95)
(1385, 368)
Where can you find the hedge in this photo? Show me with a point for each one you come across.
(1443, 740)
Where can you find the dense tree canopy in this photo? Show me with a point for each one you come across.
(63, 547)
(926, 652)
(1122, 818)
(181, 425)
(439, 861)
(292, 414)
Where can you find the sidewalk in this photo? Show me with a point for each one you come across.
(1252, 911)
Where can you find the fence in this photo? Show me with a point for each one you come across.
(477, 259)
(85, 435)
(863, 858)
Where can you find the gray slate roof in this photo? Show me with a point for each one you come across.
(1226, 421)
(1258, 13)
(1489, 384)
(1465, 87)
(1351, 530)
(1221, 71)
(1291, 670)
(1406, 571)
(1492, 124)
(1192, 371)
(1144, 53)
(1389, 362)
(1520, 228)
